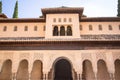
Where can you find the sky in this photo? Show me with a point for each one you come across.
(32, 8)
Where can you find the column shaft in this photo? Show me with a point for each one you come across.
(14, 76)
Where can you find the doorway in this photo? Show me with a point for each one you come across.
(63, 70)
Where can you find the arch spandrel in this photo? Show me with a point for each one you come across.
(116, 55)
(86, 56)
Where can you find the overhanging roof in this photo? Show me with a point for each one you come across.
(78, 10)
(3, 15)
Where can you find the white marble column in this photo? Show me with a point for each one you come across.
(65, 30)
(29, 76)
(58, 30)
(112, 76)
(45, 75)
(95, 75)
(80, 75)
(14, 75)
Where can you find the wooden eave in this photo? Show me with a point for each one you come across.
(82, 41)
(3, 15)
(21, 20)
(39, 43)
(100, 19)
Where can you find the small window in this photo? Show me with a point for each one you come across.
(100, 27)
(26, 28)
(119, 27)
(70, 20)
(90, 27)
(35, 28)
(44, 28)
(59, 20)
(110, 27)
(80, 27)
(54, 20)
(5, 28)
(64, 20)
(15, 28)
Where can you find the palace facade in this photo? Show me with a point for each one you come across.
(63, 44)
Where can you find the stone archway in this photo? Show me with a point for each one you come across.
(88, 73)
(36, 73)
(62, 70)
(102, 73)
(22, 73)
(117, 69)
(6, 71)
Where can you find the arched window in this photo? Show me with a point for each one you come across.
(110, 27)
(54, 20)
(81, 28)
(26, 28)
(64, 20)
(69, 31)
(5, 28)
(44, 28)
(70, 19)
(15, 28)
(55, 31)
(119, 27)
(90, 27)
(35, 28)
(59, 20)
(62, 31)
(100, 27)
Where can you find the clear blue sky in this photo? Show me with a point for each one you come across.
(32, 8)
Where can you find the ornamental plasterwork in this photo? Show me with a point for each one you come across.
(101, 55)
(8, 55)
(24, 56)
(38, 56)
(116, 55)
(86, 56)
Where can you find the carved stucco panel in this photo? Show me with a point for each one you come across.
(101, 55)
(38, 56)
(86, 56)
(116, 55)
(24, 55)
(8, 55)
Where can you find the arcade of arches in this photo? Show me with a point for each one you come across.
(62, 69)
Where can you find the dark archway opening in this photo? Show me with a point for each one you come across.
(6, 71)
(117, 69)
(88, 73)
(63, 70)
